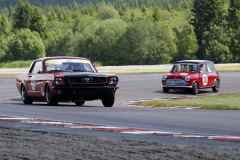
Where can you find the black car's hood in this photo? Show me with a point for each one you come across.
(82, 74)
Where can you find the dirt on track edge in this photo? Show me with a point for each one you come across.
(28, 145)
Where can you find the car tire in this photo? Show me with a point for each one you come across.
(195, 88)
(50, 98)
(165, 90)
(108, 101)
(216, 86)
(79, 103)
(25, 98)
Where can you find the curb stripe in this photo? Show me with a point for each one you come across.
(117, 129)
(120, 129)
(225, 138)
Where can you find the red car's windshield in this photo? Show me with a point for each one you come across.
(185, 67)
(66, 65)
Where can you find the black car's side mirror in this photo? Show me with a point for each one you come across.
(39, 72)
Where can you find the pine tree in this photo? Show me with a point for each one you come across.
(234, 23)
(169, 7)
(22, 15)
(52, 16)
(59, 14)
(143, 9)
(204, 12)
(186, 5)
(37, 23)
(4, 25)
(187, 43)
(234, 14)
(156, 14)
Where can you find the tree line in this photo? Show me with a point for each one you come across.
(122, 32)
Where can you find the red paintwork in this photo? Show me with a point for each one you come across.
(194, 76)
(35, 88)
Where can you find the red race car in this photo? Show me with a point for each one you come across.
(192, 74)
(75, 79)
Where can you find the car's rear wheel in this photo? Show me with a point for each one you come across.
(108, 101)
(50, 98)
(25, 98)
(165, 90)
(216, 86)
(79, 103)
(195, 88)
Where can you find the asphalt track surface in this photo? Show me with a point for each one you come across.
(132, 87)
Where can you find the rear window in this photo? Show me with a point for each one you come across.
(211, 67)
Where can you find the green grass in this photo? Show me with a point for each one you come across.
(15, 64)
(228, 68)
(229, 101)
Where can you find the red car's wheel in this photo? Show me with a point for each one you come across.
(216, 86)
(25, 98)
(195, 88)
(50, 98)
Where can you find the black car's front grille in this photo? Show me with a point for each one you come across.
(87, 80)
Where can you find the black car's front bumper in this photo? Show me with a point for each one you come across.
(74, 93)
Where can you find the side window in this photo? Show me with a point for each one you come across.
(37, 67)
(211, 67)
(203, 68)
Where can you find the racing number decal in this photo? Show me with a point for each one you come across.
(205, 79)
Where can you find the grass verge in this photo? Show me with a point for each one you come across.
(15, 64)
(228, 68)
(229, 101)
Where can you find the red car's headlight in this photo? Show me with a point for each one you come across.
(164, 78)
(187, 78)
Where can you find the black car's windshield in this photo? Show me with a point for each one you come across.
(185, 67)
(66, 65)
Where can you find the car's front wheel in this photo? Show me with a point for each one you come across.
(25, 98)
(216, 86)
(50, 98)
(195, 88)
(108, 101)
(79, 103)
(165, 90)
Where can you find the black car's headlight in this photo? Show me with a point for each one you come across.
(113, 80)
(58, 80)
